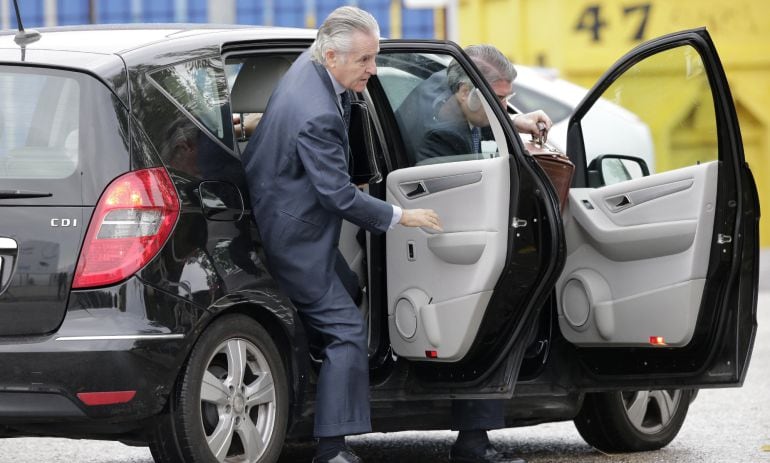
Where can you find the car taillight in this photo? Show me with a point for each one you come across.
(132, 221)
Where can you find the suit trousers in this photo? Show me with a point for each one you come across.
(477, 414)
(342, 395)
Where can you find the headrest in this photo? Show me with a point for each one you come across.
(255, 82)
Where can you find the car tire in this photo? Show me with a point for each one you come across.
(230, 402)
(633, 421)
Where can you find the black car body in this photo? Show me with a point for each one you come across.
(125, 134)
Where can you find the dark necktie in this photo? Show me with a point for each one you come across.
(345, 100)
(476, 139)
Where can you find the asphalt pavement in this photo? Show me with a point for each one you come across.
(723, 425)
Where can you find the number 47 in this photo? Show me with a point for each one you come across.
(592, 21)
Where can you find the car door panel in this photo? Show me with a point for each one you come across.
(638, 272)
(654, 289)
(453, 272)
(461, 303)
(661, 217)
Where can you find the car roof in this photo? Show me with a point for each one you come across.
(110, 51)
(121, 39)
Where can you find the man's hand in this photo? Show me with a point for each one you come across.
(532, 123)
(420, 218)
(249, 124)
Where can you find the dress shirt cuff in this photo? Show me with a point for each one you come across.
(397, 213)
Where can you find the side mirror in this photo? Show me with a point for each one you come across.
(608, 169)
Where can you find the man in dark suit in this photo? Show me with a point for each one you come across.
(443, 116)
(297, 168)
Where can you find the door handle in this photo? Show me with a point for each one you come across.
(414, 189)
(619, 202)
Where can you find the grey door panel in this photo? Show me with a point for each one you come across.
(631, 242)
(424, 187)
(638, 272)
(463, 248)
(440, 284)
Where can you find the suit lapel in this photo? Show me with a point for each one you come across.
(326, 79)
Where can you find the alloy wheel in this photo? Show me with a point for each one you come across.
(651, 411)
(238, 402)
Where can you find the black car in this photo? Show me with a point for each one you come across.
(135, 304)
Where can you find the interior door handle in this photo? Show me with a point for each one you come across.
(618, 203)
(414, 189)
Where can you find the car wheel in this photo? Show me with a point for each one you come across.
(633, 421)
(231, 399)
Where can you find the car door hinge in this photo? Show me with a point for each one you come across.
(724, 239)
(518, 223)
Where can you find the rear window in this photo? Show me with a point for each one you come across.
(64, 135)
(39, 123)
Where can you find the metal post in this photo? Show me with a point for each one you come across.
(5, 17)
(221, 11)
(310, 19)
(50, 13)
(269, 15)
(136, 11)
(453, 20)
(180, 11)
(93, 11)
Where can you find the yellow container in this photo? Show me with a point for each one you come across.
(583, 38)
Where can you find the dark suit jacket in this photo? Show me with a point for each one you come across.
(445, 138)
(297, 170)
(432, 122)
(419, 110)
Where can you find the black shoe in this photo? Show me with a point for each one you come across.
(344, 456)
(488, 454)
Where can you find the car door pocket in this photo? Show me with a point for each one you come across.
(462, 248)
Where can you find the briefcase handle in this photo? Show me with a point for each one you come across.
(542, 135)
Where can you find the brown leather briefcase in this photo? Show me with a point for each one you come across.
(556, 165)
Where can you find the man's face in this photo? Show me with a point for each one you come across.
(503, 91)
(474, 110)
(354, 68)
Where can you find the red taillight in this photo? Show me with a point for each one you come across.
(132, 221)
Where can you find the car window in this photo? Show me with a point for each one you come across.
(527, 100)
(441, 115)
(251, 80)
(39, 122)
(669, 93)
(200, 87)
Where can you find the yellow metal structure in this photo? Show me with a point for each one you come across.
(395, 19)
(583, 38)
